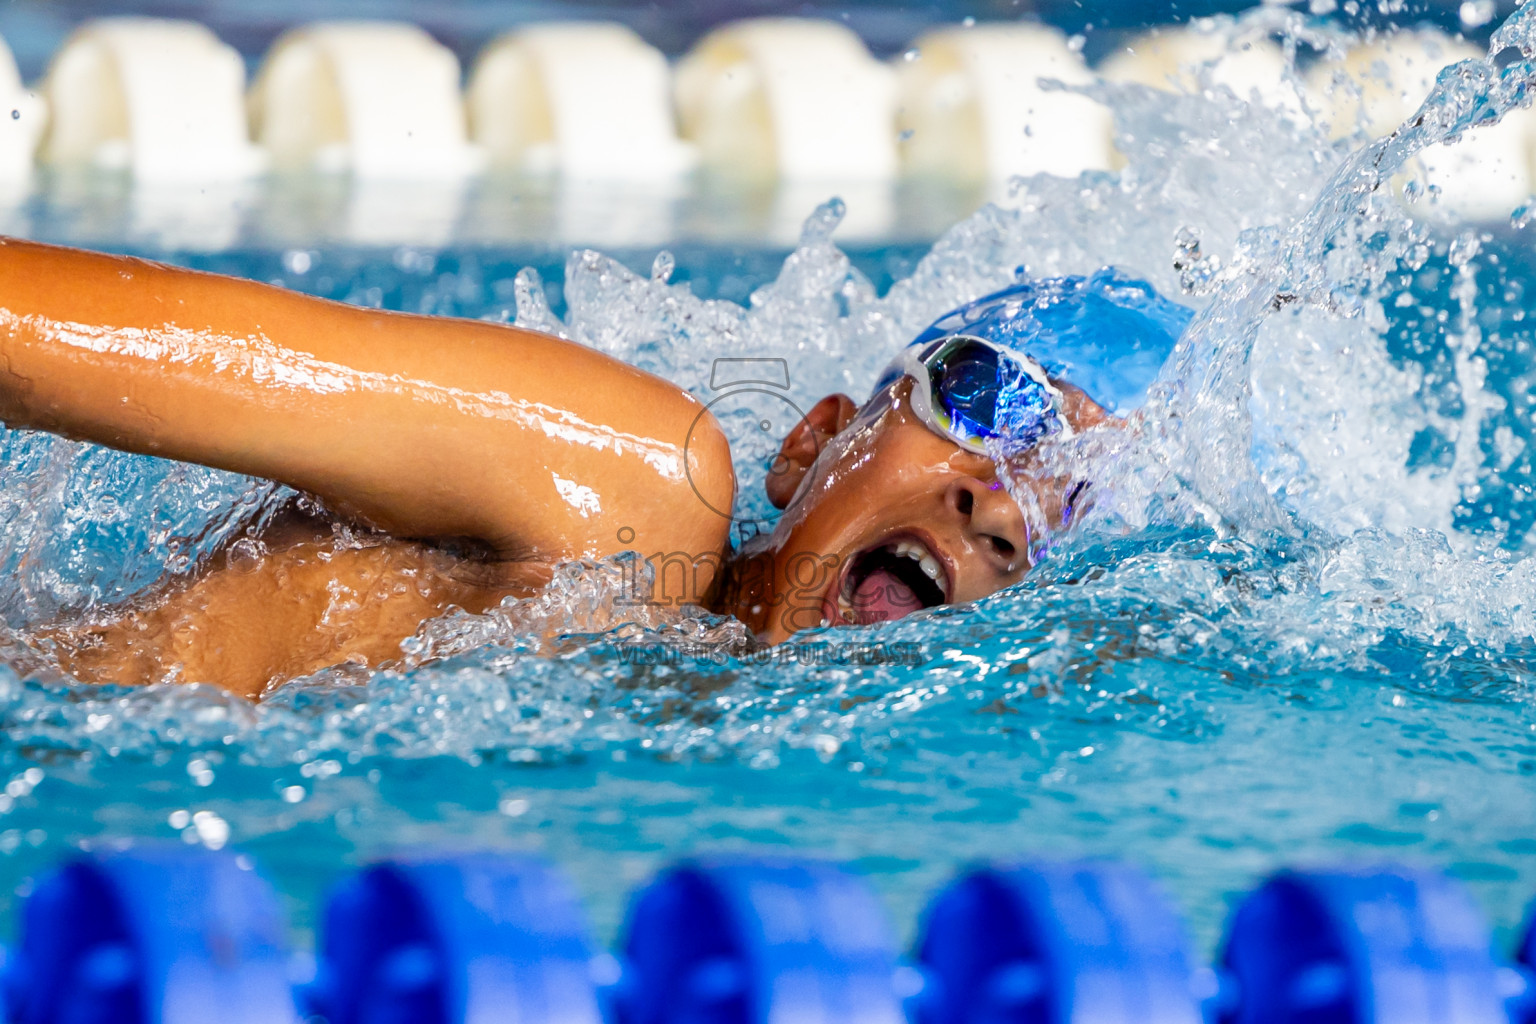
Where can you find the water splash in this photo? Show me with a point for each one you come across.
(1323, 518)
(1284, 418)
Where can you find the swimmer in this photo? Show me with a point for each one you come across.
(452, 463)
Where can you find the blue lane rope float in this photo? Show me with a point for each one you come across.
(1056, 942)
(1523, 1000)
(155, 936)
(1389, 944)
(182, 935)
(436, 941)
(743, 941)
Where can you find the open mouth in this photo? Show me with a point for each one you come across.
(896, 577)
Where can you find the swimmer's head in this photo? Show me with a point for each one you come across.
(895, 506)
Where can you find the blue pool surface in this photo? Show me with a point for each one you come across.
(1164, 699)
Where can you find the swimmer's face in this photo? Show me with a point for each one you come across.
(884, 517)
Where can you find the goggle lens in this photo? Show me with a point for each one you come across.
(964, 378)
(975, 391)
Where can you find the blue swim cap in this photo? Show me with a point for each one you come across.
(1107, 333)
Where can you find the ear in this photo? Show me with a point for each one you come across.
(825, 421)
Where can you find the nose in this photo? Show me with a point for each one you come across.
(988, 514)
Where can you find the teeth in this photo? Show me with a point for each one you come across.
(921, 555)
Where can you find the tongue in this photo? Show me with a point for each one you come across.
(882, 597)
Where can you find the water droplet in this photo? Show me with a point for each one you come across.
(912, 54)
(822, 222)
(15, 115)
(663, 266)
(1524, 213)
(1474, 13)
(531, 302)
(1198, 273)
(212, 830)
(968, 22)
(1465, 246)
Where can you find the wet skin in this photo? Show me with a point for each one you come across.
(455, 464)
(474, 457)
(853, 481)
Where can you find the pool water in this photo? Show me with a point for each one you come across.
(1296, 625)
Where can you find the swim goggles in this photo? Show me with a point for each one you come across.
(970, 390)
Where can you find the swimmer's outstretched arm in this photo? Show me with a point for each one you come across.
(426, 427)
